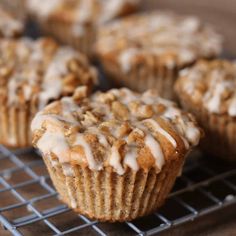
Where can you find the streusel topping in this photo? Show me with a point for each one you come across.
(40, 71)
(81, 12)
(211, 84)
(175, 40)
(118, 128)
(9, 27)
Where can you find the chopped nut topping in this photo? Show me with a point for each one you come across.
(41, 69)
(130, 132)
(9, 27)
(157, 35)
(212, 84)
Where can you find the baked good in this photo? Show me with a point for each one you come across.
(14, 7)
(148, 50)
(114, 156)
(33, 73)
(75, 22)
(208, 90)
(9, 26)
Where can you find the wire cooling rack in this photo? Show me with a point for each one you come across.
(29, 203)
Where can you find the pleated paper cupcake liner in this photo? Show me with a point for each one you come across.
(106, 196)
(15, 126)
(63, 33)
(220, 131)
(143, 78)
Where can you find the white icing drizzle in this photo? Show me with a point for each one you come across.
(115, 162)
(43, 7)
(109, 130)
(232, 107)
(95, 12)
(158, 34)
(162, 131)
(68, 170)
(192, 134)
(84, 11)
(37, 71)
(93, 165)
(53, 162)
(218, 77)
(52, 83)
(156, 150)
(9, 27)
(113, 8)
(130, 159)
(54, 142)
(126, 57)
(214, 102)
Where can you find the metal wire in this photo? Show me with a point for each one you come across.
(199, 177)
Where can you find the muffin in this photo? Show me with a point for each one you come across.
(15, 7)
(32, 74)
(208, 90)
(9, 26)
(148, 50)
(75, 22)
(114, 156)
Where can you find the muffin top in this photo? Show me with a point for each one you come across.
(212, 85)
(81, 11)
(40, 71)
(9, 27)
(173, 40)
(119, 129)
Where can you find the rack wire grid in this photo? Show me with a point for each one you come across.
(29, 203)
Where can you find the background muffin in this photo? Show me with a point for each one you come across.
(9, 26)
(33, 73)
(208, 90)
(75, 22)
(148, 50)
(114, 156)
(15, 7)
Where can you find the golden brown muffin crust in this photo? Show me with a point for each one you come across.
(119, 128)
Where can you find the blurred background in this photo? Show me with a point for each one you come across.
(220, 13)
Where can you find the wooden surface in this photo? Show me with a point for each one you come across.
(220, 13)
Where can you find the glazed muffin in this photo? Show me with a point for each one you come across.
(114, 156)
(148, 50)
(15, 7)
(33, 73)
(9, 26)
(208, 90)
(75, 22)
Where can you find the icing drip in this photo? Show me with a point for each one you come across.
(52, 84)
(131, 159)
(115, 161)
(43, 7)
(213, 104)
(90, 117)
(93, 165)
(232, 107)
(54, 142)
(192, 134)
(84, 11)
(67, 169)
(125, 59)
(112, 8)
(9, 27)
(156, 150)
(162, 131)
